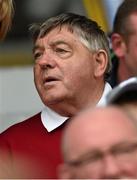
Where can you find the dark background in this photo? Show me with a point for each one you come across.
(30, 11)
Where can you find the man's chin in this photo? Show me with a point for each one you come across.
(52, 101)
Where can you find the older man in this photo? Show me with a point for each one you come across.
(71, 56)
(100, 143)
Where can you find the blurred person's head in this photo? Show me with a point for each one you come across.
(100, 143)
(6, 13)
(71, 55)
(124, 39)
(125, 96)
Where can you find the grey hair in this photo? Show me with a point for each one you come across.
(88, 31)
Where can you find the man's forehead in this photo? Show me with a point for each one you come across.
(56, 33)
(105, 121)
(57, 38)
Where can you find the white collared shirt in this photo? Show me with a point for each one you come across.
(51, 120)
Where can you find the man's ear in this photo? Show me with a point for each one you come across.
(64, 171)
(101, 62)
(118, 45)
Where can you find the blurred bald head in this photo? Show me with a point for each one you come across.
(97, 130)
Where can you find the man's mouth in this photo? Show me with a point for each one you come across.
(50, 79)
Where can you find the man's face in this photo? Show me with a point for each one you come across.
(131, 47)
(105, 150)
(64, 67)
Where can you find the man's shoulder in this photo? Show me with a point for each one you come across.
(34, 118)
(24, 126)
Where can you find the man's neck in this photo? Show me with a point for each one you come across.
(72, 107)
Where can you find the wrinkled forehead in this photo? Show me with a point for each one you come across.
(44, 31)
(66, 34)
(59, 36)
(62, 36)
(58, 31)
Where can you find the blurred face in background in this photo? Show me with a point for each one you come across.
(125, 47)
(99, 146)
(131, 46)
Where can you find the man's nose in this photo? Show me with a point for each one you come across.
(111, 168)
(47, 61)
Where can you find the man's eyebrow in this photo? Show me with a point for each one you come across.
(85, 156)
(51, 44)
(36, 47)
(90, 153)
(58, 42)
(123, 144)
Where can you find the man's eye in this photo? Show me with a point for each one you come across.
(63, 53)
(126, 149)
(60, 50)
(37, 55)
(92, 158)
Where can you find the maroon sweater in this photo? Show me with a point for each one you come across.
(29, 150)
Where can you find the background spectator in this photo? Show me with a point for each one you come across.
(100, 143)
(124, 40)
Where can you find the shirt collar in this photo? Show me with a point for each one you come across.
(51, 120)
(107, 89)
